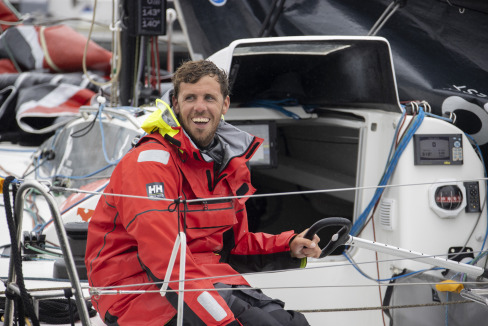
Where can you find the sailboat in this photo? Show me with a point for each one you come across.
(395, 190)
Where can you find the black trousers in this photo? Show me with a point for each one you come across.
(252, 308)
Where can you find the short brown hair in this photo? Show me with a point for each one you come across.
(192, 71)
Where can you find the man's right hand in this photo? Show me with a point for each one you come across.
(301, 247)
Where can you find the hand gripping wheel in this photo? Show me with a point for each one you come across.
(338, 239)
(342, 237)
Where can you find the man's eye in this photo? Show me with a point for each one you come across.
(189, 98)
(209, 98)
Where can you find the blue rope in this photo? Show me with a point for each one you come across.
(276, 105)
(358, 225)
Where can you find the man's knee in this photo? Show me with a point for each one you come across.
(289, 317)
(257, 317)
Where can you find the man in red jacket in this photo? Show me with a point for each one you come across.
(189, 174)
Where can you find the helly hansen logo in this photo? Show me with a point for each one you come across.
(155, 190)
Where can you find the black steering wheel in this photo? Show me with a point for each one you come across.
(337, 239)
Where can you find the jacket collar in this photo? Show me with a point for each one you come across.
(230, 142)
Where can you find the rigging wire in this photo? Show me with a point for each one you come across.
(385, 16)
(276, 194)
(384, 283)
(283, 287)
(271, 18)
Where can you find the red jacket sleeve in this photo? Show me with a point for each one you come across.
(255, 252)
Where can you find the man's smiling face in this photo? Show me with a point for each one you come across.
(199, 107)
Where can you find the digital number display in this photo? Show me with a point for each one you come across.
(438, 149)
(152, 17)
(434, 148)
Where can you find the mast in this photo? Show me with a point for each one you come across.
(142, 22)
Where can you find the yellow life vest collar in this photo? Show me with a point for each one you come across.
(163, 120)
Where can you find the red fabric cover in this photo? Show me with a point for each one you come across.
(66, 46)
(6, 15)
(7, 67)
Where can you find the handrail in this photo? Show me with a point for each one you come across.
(63, 241)
(112, 111)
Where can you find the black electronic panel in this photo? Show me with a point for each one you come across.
(438, 149)
(146, 17)
(266, 155)
(472, 197)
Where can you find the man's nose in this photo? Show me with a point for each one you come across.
(200, 104)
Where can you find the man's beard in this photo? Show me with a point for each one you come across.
(201, 142)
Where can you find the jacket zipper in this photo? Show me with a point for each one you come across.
(205, 203)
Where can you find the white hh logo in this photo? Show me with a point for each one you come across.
(155, 189)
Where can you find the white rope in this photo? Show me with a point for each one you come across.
(115, 27)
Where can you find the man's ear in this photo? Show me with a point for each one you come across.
(226, 105)
(174, 102)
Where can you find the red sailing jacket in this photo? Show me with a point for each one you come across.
(130, 240)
